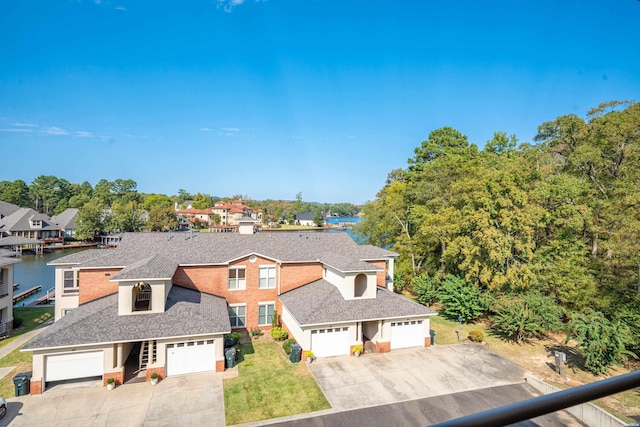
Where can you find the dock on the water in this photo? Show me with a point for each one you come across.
(44, 300)
(16, 286)
(27, 293)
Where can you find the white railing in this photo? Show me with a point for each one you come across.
(4, 289)
(143, 296)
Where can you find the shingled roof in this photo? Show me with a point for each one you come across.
(335, 249)
(188, 313)
(320, 303)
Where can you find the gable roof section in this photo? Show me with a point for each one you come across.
(336, 249)
(7, 208)
(67, 219)
(320, 303)
(19, 221)
(188, 313)
(153, 267)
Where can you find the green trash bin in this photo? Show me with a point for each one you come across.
(296, 353)
(22, 383)
(230, 356)
(433, 336)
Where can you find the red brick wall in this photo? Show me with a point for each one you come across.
(95, 284)
(209, 279)
(427, 342)
(159, 371)
(381, 276)
(383, 347)
(36, 387)
(295, 275)
(214, 280)
(219, 365)
(117, 376)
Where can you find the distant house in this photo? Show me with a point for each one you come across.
(231, 213)
(162, 302)
(26, 222)
(6, 294)
(67, 222)
(307, 218)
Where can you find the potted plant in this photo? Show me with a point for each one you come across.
(154, 379)
(357, 349)
(308, 354)
(111, 383)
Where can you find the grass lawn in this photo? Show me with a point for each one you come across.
(31, 318)
(536, 357)
(269, 386)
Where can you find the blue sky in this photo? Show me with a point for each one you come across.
(271, 98)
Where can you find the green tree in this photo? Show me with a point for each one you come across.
(91, 219)
(202, 201)
(318, 218)
(525, 316)
(460, 300)
(162, 218)
(15, 192)
(158, 200)
(127, 217)
(425, 289)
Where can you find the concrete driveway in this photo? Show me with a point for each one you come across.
(184, 400)
(401, 375)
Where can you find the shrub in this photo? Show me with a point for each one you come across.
(17, 322)
(476, 336)
(425, 288)
(601, 341)
(255, 332)
(286, 345)
(235, 336)
(274, 319)
(526, 316)
(460, 300)
(279, 333)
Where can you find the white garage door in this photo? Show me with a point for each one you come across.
(330, 342)
(407, 334)
(191, 357)
(70, 366)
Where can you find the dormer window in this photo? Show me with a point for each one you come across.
(141, 297)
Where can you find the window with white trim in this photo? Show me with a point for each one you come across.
(265, 313)
(267, 277)
(238, 316)
(69, 282)
(236, 278)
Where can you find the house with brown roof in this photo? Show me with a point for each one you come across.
(162, 302)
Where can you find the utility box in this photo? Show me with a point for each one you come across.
(22, 383)
(230, 357)
(296, 353)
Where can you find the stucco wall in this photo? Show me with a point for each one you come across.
(63, 301)
(158, 297)
(302, 337)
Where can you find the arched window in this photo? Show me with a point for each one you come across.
(361, 285)
(141, 297)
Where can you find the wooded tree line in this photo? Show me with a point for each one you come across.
(116, 206)
(537, 237)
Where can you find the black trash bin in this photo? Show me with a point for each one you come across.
(296, 352)
(22, 383)
(433, 336)
(230, 356)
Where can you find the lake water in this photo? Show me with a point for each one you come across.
(34, 271)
